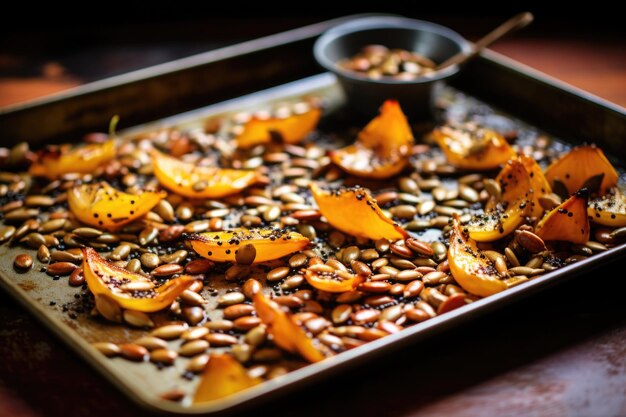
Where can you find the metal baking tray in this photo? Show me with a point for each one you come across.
(256, 74)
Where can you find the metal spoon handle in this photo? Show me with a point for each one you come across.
(516, 22)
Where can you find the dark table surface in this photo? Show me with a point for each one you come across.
(560, 353)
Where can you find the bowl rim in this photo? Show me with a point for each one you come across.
(386, 22)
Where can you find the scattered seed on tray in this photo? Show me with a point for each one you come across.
(391, 283)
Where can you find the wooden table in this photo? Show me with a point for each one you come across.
(561, 353)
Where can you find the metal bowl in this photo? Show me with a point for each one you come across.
(365, 95)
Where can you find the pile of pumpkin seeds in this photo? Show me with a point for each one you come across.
(408, 281)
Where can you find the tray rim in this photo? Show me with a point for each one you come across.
(350, 358)
(550, 80)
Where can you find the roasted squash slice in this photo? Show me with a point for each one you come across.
(568, 221)
(538, 183)
(469, 267)
(332, 281)
(111, 281)
(355, 212)
(503, 216)
(269, 243)
(473, 148)
(83, 160)
(223, 376)
(284, 330)
(194, 181)
(382, 148)
(497, 223)
(580, 165)
(608, 210)
(292, 129)
(103, 206)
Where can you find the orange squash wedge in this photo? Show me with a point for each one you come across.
(568, 221)
(497, 223)
(515, 184)
(473, 148)
(538, 183)
(382, 148)
(292, 129)
(502, 217)
(222, 376)
(580, 164)
(284, 330)
(608, 210)
(469, 267)
(332, 282)
(194, 181)
(104, 278)
(82, 160)
(105, 207)
(269, 243)
(355, 212)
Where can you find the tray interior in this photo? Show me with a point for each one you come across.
(62, 307)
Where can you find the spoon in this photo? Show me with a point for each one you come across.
(516, 22)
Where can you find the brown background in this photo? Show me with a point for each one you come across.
(561, 353)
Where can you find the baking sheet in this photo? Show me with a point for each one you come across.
(144, 383)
